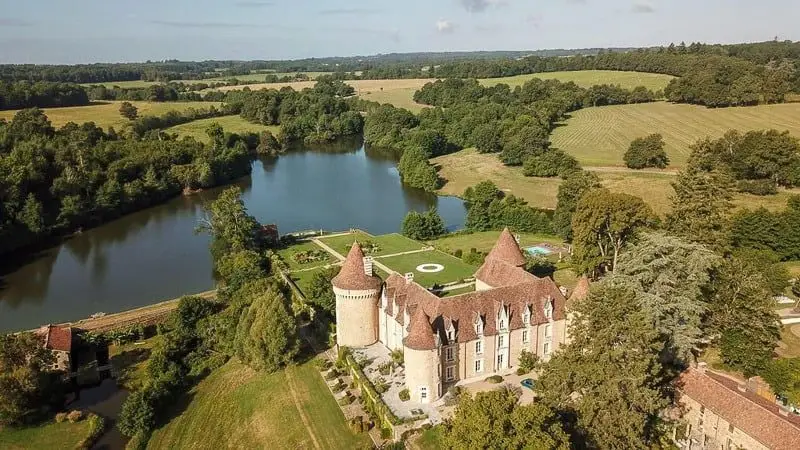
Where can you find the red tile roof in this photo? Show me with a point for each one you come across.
(352, 276)
(495, 272)
(420, 334)
(754, 415)
(580, 292)
(507, 249)
(56, 338)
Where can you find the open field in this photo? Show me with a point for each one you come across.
(483, 241)
(389, 243)
(600, 136)
(236, 407)
(50, 435)
(106, 114)
(588, 78)
(257, 77)
(454, 268)
(232, 124)
(468, 167)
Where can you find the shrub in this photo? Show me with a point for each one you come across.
(357, 424)
(385, 368)
(61, 417)
(338, 387)
(757, 187)
(397, 357)
(331, 375)
(97, 425)
(494, 379)
(346, 400)
(550, 164)
(138, 441)
(458, 253)
(75, 416)
(527, 362)
(404, 395)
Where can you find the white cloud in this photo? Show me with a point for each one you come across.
(643, 8)
(444, 26)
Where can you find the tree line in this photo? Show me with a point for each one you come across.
(25, 94)
(56, 181)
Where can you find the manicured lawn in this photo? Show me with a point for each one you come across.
(106, 114)
(389, 243)
(235, 407)
(566, 277)
(130, 362)
(232, 124)
(50, 435)
(600, 136)
(589, 78)
(454, 268)
(483, 241)
(303, 279)
(287, 254)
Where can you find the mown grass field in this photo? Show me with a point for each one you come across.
(483, 241)
(232, 124)
(106, 114)
(468, 167)
(600, 136)
(47, 436)
(389, 243)
(236, 407)
(454, 268)
(589, 78)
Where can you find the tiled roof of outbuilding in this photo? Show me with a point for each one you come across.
(352, 276)
(507, 249)
(580, 292)
(754, 415)
(56, 338)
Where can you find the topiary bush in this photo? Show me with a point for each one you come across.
(404, 395)
(494, 379)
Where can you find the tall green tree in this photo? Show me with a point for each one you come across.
(24, 379)
(238, 268)
(495, 420)
(647, 152)
(671, 277)
(320, 290)
(610, 375)
(230, 226)
(701, 207)
(602, 224)
(570, 192)
(128, 111)
(266, 336)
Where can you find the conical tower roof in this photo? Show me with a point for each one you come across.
(420, 333)
(507, 250)
(352, 276)
(580, 292)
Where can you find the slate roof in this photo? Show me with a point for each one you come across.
(352, 276)
(517, 292)
(56, 338)
(507, 249)
(754, 415)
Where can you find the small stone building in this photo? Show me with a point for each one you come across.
(722, 413)
(455, 339)
(59, 341)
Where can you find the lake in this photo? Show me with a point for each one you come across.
(154, 255)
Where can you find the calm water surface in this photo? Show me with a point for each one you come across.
(154, 255)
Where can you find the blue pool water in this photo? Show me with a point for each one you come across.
(538, 250)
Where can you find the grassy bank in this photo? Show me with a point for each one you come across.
(236, 407)
(47, 436)
(600, 136)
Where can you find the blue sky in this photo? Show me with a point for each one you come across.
(74, 31)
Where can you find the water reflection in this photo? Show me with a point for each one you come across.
(154, 254)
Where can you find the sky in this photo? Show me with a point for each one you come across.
(80, 31)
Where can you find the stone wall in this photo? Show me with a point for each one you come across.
(710, 430)
(356, 317)
(421, 370)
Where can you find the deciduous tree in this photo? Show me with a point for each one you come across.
(569, 192)
(647, 152)
(266, 336)
(128, 111)
(24, 363)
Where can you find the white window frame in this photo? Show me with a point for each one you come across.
(501, 360)
(423, 392)
(478, 366)
(548, 309)
(501, 341)
(451, 335)
(526, 337)
(546, 348)
(449, 354)
(548, 331)
(479, 328)
(526, 317)
(502, 324)
(478, 347)
(449, 373)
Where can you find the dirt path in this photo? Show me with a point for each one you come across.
(426, 249)
(306, 423)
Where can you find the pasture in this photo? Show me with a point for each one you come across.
(106, 114)
(468, 167)
(589, 78)
(600, 136)
(231, 124)
(255, 77)
(236, 407)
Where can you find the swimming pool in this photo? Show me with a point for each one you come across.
(538, 250)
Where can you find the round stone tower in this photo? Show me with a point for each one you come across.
(357, 293)
(420, 359)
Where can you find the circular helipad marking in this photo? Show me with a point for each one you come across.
(430, 268)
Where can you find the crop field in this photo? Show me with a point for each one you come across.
(232, 124)
(106, 114)
(588, 78)
(256, 77)
(454, 268)
(468, 167)
(236, 407)
(600, 136)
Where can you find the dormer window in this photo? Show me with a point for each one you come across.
(526, 316)
(548, 309)
(451, 336)
(502, 324)
(479, 326)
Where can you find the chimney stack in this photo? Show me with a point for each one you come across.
(368, 265)
(409, 277)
